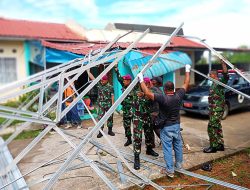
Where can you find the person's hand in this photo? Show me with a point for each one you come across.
(187, 68)
(140, 94)
(140, 77)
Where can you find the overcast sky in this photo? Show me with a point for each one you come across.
(223, 23)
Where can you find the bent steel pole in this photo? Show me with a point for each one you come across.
(107, 115)
(52, 71)
(86, 160)
(216, 81)
(220, 56)
(56, 78)
(61, 170)
(120, 55)
(222, 84)
(160, 164)
(22, 107)
(119, 155)
(26, 150)
(95, 58)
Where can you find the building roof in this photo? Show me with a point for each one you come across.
(11, 28)
(85, 47)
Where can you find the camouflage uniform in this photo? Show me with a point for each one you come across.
(104, 100)
(126, 108)
(141, 120)
(216, 102)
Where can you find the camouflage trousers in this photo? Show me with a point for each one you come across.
(215, 129)
(142, 123)
(127, 119)
(101, 112)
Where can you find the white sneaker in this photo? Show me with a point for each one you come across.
(163, 171)
(79, 127)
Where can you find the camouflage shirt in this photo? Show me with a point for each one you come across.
(105, 93)
(141, 105)
(216, 99)
(128, 101)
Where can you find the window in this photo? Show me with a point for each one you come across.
(8, 70)
(241, 81)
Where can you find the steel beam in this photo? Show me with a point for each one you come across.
(79, 147)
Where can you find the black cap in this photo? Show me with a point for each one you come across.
(157, 79)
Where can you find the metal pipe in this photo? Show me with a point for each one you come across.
(25, 151)
(220, 56)
(79, 147)
(112, 109)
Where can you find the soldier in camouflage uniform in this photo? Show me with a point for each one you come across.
(105, 101)
(216, 102)
(142, 121)
(126, 105)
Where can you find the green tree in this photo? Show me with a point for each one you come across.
(238, 57)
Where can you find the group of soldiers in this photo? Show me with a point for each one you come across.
(137, 110)
(146, 113)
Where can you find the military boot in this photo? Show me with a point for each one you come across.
(137, 161)
(129, 141)
(151, 152)
(210, 150)
(110, 132)
(100, 134)
(220, 147)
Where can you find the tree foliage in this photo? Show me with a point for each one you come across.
(237, 57)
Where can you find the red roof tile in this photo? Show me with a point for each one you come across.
(85, 47)
(37, 30)
(183, 42)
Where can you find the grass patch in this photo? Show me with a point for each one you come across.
(24, 135)
(13, 123)
(247, 150)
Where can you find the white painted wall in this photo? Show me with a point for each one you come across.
(8, 47)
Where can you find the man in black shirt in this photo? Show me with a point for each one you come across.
(170, 105)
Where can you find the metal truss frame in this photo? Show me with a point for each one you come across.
(41, 81)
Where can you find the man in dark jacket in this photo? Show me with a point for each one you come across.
(170, 104)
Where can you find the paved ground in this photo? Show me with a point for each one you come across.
(236, 134)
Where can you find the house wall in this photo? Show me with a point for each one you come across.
(9, 48)
(180, 73)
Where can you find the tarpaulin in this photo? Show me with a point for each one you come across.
(173, 61)
(58, 56)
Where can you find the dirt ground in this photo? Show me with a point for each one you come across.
(221, 169)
